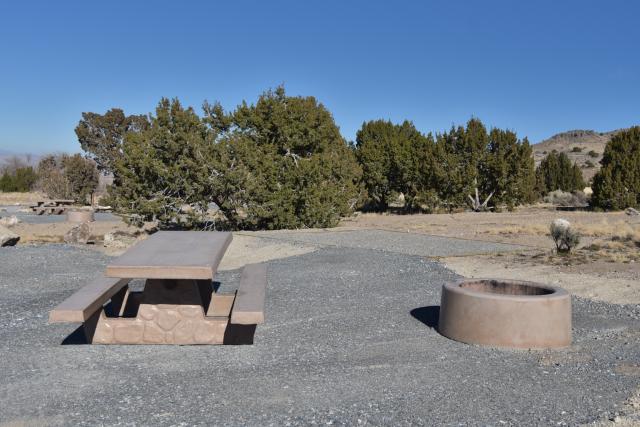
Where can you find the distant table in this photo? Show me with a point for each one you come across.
(52, 207)
(178, 305)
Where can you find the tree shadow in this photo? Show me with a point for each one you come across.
(428, 315)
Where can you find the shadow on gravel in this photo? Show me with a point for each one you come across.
(76, 337)
(428, 315)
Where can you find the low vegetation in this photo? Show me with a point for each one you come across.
(564, 236)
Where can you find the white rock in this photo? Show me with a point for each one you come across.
(632, 212)
(9, 221)
(118, 239)
(81, 233)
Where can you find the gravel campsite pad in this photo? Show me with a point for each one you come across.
(349, 338)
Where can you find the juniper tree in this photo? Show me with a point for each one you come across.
(394, 158)
(101, 136)
(81, 175)
(279, 163)
(67, 177)
(556, 172)
(163, 167)
(291, 167)
(21, 179)
(617, 183)
(509, 169)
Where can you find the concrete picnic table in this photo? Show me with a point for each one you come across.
(179, 304)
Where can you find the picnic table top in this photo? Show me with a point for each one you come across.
(173, 255)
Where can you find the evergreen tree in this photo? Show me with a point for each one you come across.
(497, 163)
(21, 180)
(67, 177)
(163, 167)
(509, 169)
(556, 172)
(617, 184)
(102, 135)
(81, 175)
(291, 167)
(390, 156)
(280, 163)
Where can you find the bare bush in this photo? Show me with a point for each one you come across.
(564, 198)
(563, 235)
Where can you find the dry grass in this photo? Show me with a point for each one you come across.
(606, 228)
(603, 228)
(21, 198)
(512, 229)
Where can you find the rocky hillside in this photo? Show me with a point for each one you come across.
(585, 147)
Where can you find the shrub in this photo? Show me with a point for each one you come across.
(563, 235)
(589, 164)
(593, 154)
(67, 177)
(563, 198)
(617, 183)
(576, 150)
(82, 176)
(21, 180)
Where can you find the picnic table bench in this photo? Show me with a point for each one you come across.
(178, 305)
(52, 207)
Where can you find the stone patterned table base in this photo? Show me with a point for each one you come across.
(148, 318)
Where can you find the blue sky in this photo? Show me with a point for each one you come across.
(535, 67)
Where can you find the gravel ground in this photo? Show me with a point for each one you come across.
(392, 241)
(349, 339)
(31, 218)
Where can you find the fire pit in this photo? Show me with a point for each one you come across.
(505, 313)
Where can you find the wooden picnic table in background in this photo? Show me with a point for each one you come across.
(52, 207)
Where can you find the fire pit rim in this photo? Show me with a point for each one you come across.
(456, 286)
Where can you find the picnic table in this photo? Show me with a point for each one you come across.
(52, 207)
(179, 304)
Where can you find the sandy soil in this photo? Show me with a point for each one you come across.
(54, 232)
(611, 274)
(21, 198)
(632, 408)
(610, 282)
(527, 226)
(244, 249)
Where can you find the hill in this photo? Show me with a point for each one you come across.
(584, 147)
(7, 158)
